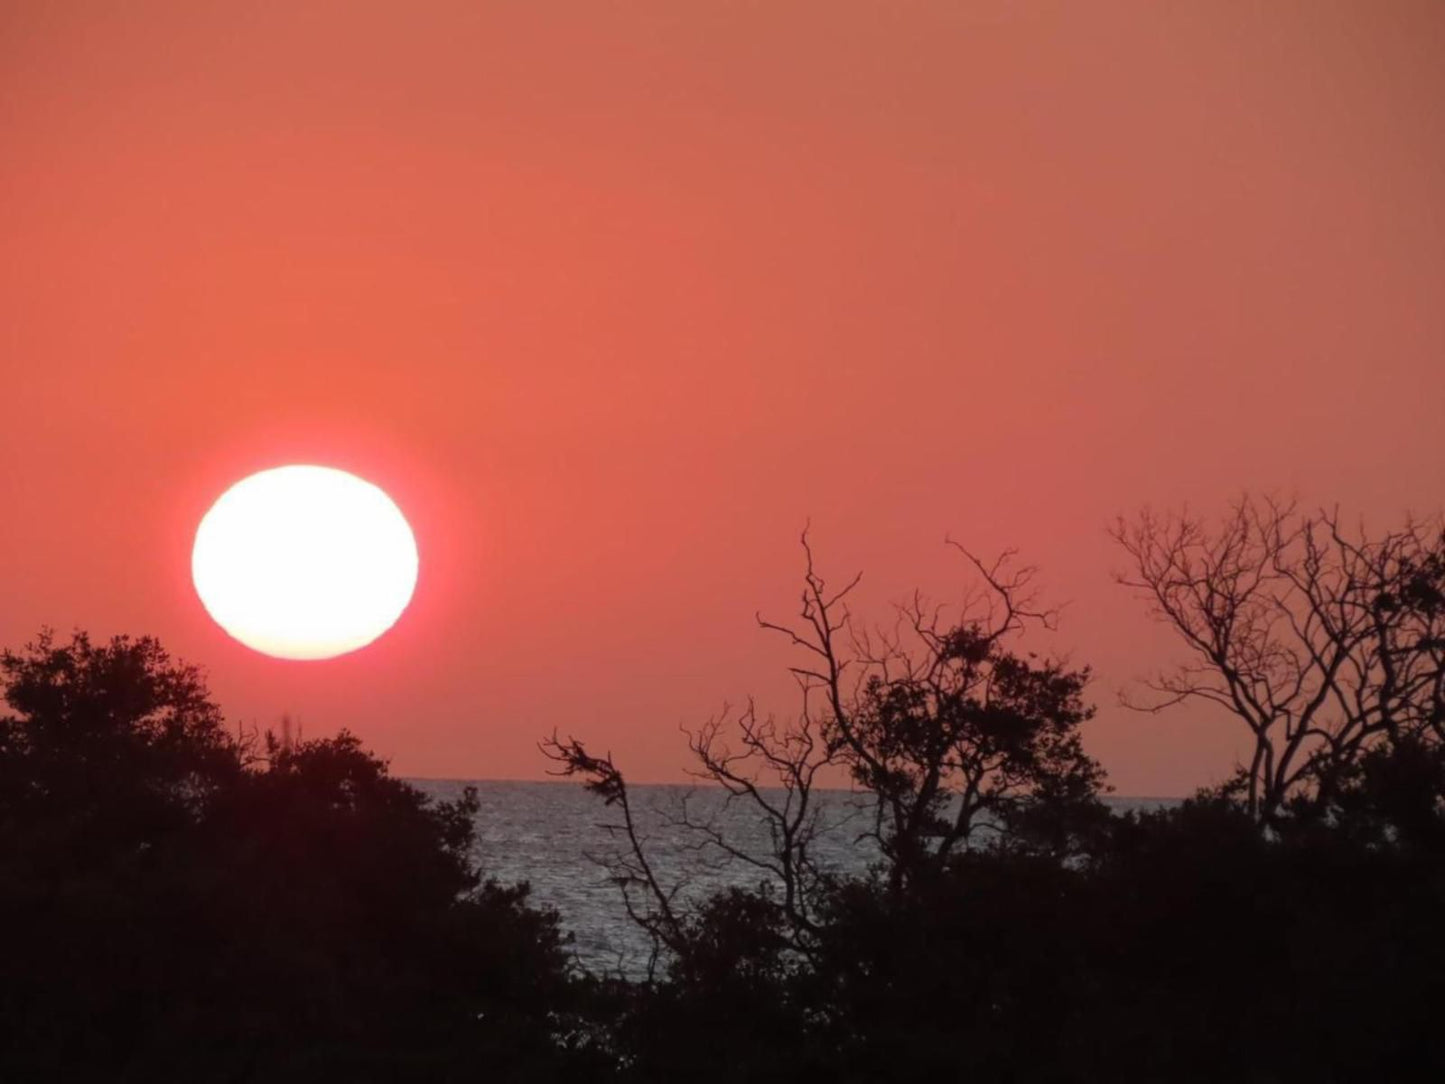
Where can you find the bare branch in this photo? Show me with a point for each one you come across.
(1295, 626)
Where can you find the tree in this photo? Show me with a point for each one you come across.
(1324, 641)
(982, 947)
(185, 902)
(957, 737)
(958, 742)
(110, 745)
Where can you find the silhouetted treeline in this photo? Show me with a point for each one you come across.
(1284, 926)
(183, 902)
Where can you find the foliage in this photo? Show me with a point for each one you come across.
(959, 741)
(957, 736)
(187, 904)
(111, 745)
(1188, 948)
(1016, 930)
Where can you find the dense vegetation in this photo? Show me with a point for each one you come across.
(184, 902)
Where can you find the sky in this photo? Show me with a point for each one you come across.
(614, 298)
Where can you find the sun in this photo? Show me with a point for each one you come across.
(304, 562)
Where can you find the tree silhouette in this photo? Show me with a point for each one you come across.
(188, 902)
(1324, 642)
(955, 735)
(1014, 929)
(110, 746)
(958, 742)
(185, 902)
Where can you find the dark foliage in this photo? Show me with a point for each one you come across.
(182, 904)
(186, 904)
(1190, 948)
(1015, 930)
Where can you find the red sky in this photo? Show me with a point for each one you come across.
(613, 297)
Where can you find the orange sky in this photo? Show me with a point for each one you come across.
(611, 297)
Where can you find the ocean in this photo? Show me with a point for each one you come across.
(551, 833)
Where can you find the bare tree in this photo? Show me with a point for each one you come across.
(775, 770)
(650, 905)
(954, 735)
(754, 760)
(1322, 640)
(954, 738)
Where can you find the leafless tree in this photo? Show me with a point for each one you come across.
(952, 737)
(775, 770)
(650, 905)
(754, 760)
(953, 734)
(1322, 640)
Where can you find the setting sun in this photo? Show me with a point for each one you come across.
(304, 562)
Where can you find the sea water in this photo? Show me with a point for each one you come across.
(555, 836)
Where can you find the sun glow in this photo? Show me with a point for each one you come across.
(304, 562)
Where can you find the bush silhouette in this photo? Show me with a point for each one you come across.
(186, 904)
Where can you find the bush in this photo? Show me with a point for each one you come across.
(185, 904)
